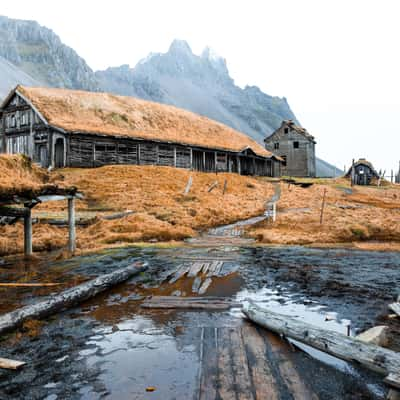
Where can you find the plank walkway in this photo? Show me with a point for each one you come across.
(247, 363)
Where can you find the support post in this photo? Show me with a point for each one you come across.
(352, 173)
(191, 158)
(239, 167)
(28, 232)
(274, 211)
(175, 156)
(71, 224)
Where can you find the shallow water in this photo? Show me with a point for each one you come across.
(111, 347)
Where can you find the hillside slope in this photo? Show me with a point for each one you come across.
(11, 76)
(39, 52)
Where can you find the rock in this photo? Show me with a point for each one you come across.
(376, 335)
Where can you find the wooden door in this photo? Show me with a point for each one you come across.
(59, 153)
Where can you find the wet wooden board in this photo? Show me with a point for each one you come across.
(195, 268)
(237, 364)
(179, 274)
(11, 364)
(205, 285)
(200, 303)
(196, 285)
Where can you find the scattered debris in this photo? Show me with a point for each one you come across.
(200, 303)
(11, 364)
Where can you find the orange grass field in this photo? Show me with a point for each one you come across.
(368, 218)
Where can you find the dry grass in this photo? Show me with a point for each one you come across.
(90, 112)
(162, 212)
(18, 175)
(368, 215)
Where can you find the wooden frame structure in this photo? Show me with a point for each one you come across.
(16, 208)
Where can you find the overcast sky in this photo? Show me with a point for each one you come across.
(337, 62)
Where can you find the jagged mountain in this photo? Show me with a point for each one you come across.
(201, 84)
(11, 76)
(39, 52)
(34, 55)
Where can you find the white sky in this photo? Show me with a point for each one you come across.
(337, 62)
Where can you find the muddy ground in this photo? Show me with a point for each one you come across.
(111, 348)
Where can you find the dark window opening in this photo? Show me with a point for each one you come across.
(286, 130)
(276, 146)
(296, 145)
(284, 163)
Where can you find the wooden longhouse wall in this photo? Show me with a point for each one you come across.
(24, 130)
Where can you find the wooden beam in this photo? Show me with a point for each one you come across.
(21, 284)
(71, 225)
(395, 307)
(13, 212)
(373, 357)
(28, 232)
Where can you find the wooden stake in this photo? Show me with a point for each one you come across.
(71, 225)
(28, 232)
(214, 185)
(224, 189)
(322, 208)
(189, 185)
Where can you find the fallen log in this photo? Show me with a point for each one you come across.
(201, 303)
(369, 355)
(67, 298)
(6, 363)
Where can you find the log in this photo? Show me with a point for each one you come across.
(375, 358)
(67, 298)
(11, 364)
(202, 303)
(395, 307)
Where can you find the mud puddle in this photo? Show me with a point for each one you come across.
(111, 348)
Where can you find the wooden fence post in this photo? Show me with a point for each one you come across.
(28, 232)
(322, 208)
(189, 185)
(71, 225)
(224, 189)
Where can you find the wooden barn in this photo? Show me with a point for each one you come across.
(364, 173)
(71, 128)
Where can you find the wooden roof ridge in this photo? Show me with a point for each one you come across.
(78, 111)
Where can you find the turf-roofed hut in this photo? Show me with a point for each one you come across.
(363, 173)
(71, 128)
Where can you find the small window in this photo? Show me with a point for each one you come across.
(296, 145)
(276, 146)
(284, 163)
(286, 130)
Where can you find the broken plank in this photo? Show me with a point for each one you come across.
(205, 268)
(196, 284)
(205, 286)
(209, 371)
(178, 274)
(369, 355)
(265, 385)
(11, 364)
(188, 305)
(395, 307)
(218, 268)
(194, 269)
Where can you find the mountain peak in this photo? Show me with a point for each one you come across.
(180, 46)
(214, 59)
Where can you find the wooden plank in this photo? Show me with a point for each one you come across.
(213, 186)
(209, 374)
(205, 285)
(196, 284)
(205, 268)
(264, 383)
(186, 305)
(194, 269)
(225, 366)
(287, 370)
(6, 363)
(395, 307)
(179, 273)
(393, 379)
(373, 357)
(240, 367)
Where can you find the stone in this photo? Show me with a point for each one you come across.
(376, 335)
